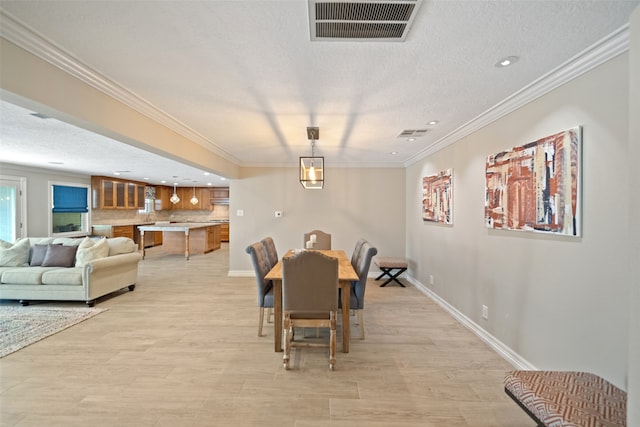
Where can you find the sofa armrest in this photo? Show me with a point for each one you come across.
(112, 261)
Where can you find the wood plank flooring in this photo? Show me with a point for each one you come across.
(183, 350)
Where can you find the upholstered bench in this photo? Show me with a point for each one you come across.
(387, 265)
(567, 399)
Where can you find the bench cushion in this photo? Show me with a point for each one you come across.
(568, 399)
(389, 262)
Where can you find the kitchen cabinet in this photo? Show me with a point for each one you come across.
(163, 194)
(219, 195)
(108, 193)
(114, 231)
(162, 202)
(213, 238)
(224, 232)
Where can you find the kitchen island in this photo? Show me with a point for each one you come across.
(185, 237)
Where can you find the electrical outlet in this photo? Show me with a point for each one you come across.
(240, 212)
(431, 279)
(485, 312)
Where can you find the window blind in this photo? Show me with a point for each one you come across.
(70, 199)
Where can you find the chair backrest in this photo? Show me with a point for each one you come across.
(310, 283)
(261, 267)
(272, 253)
(357, 252)
(362, 269)
(323, 240)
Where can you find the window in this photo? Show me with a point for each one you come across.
(69, 209)
(12, 207)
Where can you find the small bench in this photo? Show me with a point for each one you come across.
(561, 398)
(387, 265)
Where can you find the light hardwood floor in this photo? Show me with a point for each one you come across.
(183, 350)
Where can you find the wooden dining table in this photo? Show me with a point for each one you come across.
(346, 274)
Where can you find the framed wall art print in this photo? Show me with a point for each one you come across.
(536, 186)
(437, 197)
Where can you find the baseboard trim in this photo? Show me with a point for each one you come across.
(498, 346)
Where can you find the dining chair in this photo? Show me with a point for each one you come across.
(272, 253)
(309, 299)
(356, 299)
(356, 252)
(323, 240)
(261, 266)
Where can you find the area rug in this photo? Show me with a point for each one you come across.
(22, 326)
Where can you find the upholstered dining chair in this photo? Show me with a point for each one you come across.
(261, 266)
(356, 252)
(309, 299)
(323, 240)
(272, 253)
(356, 299)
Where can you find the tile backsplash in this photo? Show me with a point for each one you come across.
(126, 216)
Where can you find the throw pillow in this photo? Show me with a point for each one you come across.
(37, 255)
(4, 244)
(60, 256)
(16, 255)
(90, 249)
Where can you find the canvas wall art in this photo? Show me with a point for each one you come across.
(536, 186)
(437, 197)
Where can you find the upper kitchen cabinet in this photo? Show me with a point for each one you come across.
(110, 193)
(163, 194)
(219, 195)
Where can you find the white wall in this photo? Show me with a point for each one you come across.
(633, 397)
(37, 194)
(354, 203)
(558, 302)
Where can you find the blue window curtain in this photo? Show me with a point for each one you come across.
(70, 199)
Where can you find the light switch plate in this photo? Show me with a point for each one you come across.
(240, 212)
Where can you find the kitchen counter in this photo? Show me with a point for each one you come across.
(190, 237)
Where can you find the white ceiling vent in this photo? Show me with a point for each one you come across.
(361, 20)
(413, 133)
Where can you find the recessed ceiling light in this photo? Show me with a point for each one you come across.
(207, 174)
(222, 178)
(433, 122)
(116, 173)
(163, 182)
(55, 163)
(506, 61)
(393, 153)
(411, 139)
(147, 179)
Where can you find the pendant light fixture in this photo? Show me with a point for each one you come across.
(312, 168)
(174, 198)
(194, 199)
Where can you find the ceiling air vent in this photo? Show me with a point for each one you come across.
(363, 20)
(413, 133)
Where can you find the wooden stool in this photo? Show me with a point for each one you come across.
(387, 265)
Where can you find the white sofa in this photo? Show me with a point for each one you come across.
(99, 267)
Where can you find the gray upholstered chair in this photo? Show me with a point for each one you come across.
(272, 253)
(323, 240)
(309, 299)
(357, 252)
(261, 266)
(356, 300)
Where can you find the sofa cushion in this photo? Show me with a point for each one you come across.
(25, 276)
(60, 256)
(63, 276)
(16, 255)
(121, 245)
(68, 241)
(90, 249)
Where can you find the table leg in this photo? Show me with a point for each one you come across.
(277, 314)
(346, 326)
(141, 244)
(186, 241)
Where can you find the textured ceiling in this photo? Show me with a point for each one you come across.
(246, 77)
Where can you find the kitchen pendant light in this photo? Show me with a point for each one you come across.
(194, 199)
(312, 168)
(174, 198)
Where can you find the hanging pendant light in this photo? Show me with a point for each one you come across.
(312, 168)
(174, 198)
(194, 199)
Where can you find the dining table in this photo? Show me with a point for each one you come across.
(346, 274)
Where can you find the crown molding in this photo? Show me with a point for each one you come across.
(30, 40)
(608, 48)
